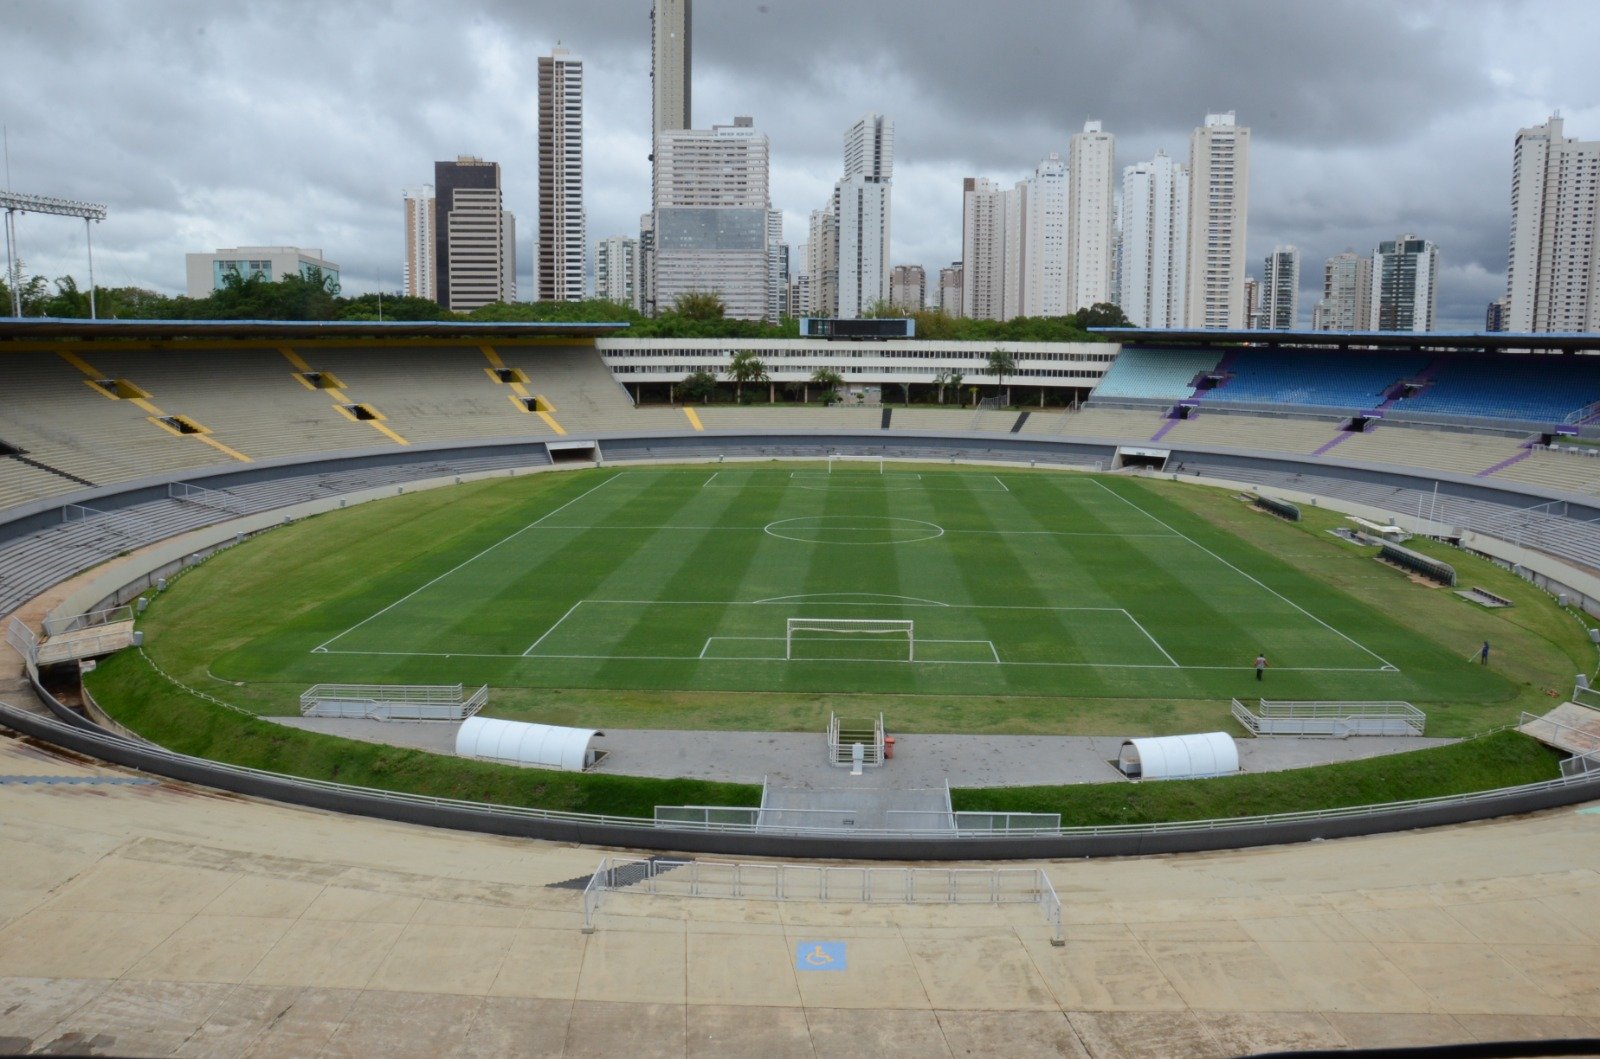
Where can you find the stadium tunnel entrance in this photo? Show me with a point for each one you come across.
(570, 452)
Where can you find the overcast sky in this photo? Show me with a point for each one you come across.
(204, 124)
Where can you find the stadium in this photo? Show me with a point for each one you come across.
(879, 673)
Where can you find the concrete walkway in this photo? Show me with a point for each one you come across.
(797, 759)
(168, 920)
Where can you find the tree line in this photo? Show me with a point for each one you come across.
(317, 297)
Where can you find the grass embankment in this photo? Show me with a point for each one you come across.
(1504, 759)
(139, 698)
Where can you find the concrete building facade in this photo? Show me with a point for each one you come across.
(908, 288)
(984, 206)
(563, 228)
(208, 272)
(1219, 203)
(1155, 242)
(1405, 285)
(1553, 265)
(616, 270)
(418, 276)
(471, 262)
(862, 203)
(711, 219)
(1091, 190)
(1043, 229)
(1346, 303)
(1280, 289)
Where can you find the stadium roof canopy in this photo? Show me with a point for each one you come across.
(1442, 341)
(53, 329)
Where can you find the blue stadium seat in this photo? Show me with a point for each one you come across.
(1310, 377)
(1540, 387)
(1154, 373)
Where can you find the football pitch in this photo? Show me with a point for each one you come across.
(788, 578)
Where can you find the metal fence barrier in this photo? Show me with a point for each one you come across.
(823, 883)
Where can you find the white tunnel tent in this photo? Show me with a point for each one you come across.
(531, 745)
(1177, 757)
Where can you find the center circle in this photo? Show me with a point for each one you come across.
(854, 529)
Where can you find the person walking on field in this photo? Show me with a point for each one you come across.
(1261, 664)
(1483, 654)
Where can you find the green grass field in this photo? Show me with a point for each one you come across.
(662, 598)
(1040, 602)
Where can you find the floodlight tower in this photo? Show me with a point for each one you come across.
(15, 204)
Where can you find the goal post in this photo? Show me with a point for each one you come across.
(854, 464)
(836, 634)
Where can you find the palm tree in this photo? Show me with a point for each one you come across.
(1001, 364)
(829, 379)
(745, 367)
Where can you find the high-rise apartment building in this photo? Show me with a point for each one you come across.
(419, 265)
(822, 263)
(950, 285)
(671, 54)
(1155, 242)
(1405, 285)
(1280, 289)
(984, 208)
(616, 270)
(1553, 271)
(1252, 302)
(508, 256)
(1346, 303)
(711, 219)
(563, 229)
(1091, 191)
(471, 265)
(1042, 253)
(861, 201)
(908, 288)
(1494, 316)
(1219, 201)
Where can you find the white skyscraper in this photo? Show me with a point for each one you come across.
(983, 249)
(1405, 285)
(711, 223)
(1043, 253)
(908, 288)
(1219, 202)
(1553, 272)
(1091, 192)
(1280, 289)
(563, 229)
(1346, 294)
(822, 263)
(671, 66)
(616, 270)
(1155, 242)
(862, 203)
(419, 265)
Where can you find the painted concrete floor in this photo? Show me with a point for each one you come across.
(164, 920)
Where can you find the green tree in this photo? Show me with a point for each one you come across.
(700, 305)
(699, 386)
(745, 367)
(1001, 363)
(830, 381)
(944, 377)
(1101, 314)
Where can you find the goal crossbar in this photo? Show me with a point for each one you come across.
(874, 463)
(845, 628)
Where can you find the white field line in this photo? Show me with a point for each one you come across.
(691, 658)
(1002, 484)
(1152, 639)
(708, 481)
(1386, 663)
(324, 645)
(759, 529)
(764, 602)
(552, 628)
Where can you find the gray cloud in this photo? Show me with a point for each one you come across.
(205, 125)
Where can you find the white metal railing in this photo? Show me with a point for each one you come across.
(199, 494)
(840, 754)
(823, 883)
(23, 641)
(390, 702)
(57, 626)
(1542, 728)
(1313, 718)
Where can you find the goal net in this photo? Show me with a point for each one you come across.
(872, 639)
(855, 464)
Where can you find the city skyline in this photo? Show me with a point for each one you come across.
(1392, 121)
